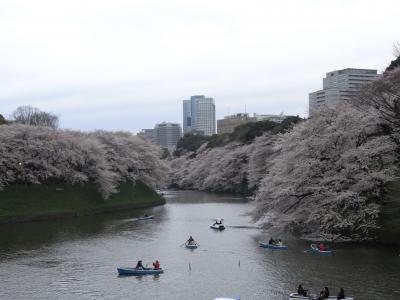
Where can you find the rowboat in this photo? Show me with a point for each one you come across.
(138, 272)
(218, 224)
(191, 246)
(272, 246)
(314, 249)
(145, 218)
(160, 192)
(295, 296)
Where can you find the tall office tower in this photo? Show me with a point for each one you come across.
(341, 85)
(199, 115)
(187, 116)
(167, 135)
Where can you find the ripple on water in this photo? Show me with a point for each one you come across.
(43, 263)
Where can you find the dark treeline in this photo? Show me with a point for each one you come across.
(245, 133)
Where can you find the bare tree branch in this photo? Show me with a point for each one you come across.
(29, 115)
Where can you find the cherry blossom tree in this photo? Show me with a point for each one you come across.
(327, 177)
(38, 154)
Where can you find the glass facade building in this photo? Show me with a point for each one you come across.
(199, 115)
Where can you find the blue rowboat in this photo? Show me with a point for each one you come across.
(273, 247)
(314, 249)
(146, 218)
(138, 272)
(191, 246)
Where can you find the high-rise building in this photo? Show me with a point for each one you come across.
(167, 134)
(187, 116)
(228, 123)
(199, 115)
(341, 85)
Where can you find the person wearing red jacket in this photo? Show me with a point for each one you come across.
(322, 247)
(156, 265)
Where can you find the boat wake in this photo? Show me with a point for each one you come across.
(245, 227)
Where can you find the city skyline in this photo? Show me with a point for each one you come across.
(132, 71)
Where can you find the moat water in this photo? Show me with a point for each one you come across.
(77, 258)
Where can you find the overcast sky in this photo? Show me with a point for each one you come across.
(129, 64)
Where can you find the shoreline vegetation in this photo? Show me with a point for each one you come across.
(26, 203)
(46, 172)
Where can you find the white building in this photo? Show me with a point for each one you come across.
(341, 85)
(167, 135)
(273, 118)
(199, 115)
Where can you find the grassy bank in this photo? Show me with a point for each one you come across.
(390, 217)
(20, 203)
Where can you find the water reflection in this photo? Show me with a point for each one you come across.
(195, 197)
(24, 237)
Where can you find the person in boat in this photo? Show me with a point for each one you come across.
(146, 215)
(272, 241)
(321, 295)
(322, 247)
(279, 243)
(139, 265)
(190, 241)
(301, 291)
(324, 294)
(341, 294)
(156, 265)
